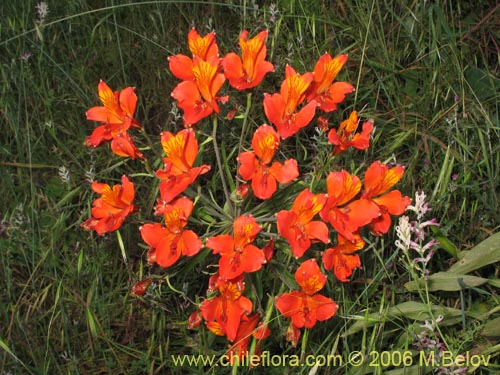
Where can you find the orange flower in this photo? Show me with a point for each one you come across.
(181, 67)
(172, 241)
(117, 109)
(115, 204)
(181, 150)
(195, 319)
(224, 312)
(297, 226)
(117, 116)
(342, 259)
(379, 178)
(269, 250)
(247, 329)
(242, 191)
(238, 254)
(345, 215)
(305, 307)
(281, 109)
(326, 93)
(196, 95)
(251, 71)
(204, 48)
(140, 288)
(122, 145)
(255, 165)
(322, 123)
(343, 139)
(198, 98)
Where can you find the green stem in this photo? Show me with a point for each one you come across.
(242, 137)
(219, 165)
(219, 210)
(124, 252)
(245, 122)
(303, 347)
(150, 142)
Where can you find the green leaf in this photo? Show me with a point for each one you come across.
(409, 310)
(91, 323)
(487, 252)
(444, 242)
(5, 347)
(445, 281)
(80, 262)
(483, 83)
(492, 328)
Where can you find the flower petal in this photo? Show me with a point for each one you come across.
(189, 243)
(286, 172)
(248, 165)
(221, 244)
(263, 184)
(309, 277)
(181, 67)
(325, 307)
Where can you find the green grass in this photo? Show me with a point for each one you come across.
(427, 73)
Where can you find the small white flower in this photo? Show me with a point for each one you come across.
(25, 56)
(273, 13)
(64, 175)
(403, 231)
(42, 10)
(421, 206)
(89, 175)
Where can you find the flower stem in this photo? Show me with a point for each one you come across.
(242, 136)
(124, 253)
(219, 165)
(150, 142)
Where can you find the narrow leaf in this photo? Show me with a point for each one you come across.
(492, 328)
(487, 252)
(409, 310)
(444, 242)
(445, 281)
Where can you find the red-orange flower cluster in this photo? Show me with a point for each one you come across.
(345, 214)
(297, 226)
(181, 150)
(115, 204)
(282, 109)
(347, 209)
(229, 313)
(317, 88)
(249, 70)
(238, 254)
(201, 78)
(255, 166)
(341, 258)
(170, 242)
(348, 215)
(224, 312)
(306, 307)
(323, 90)
(249, 327)
(167, 243)
(349, 206)
(379, 178)
(344, 138)
(117, 117)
